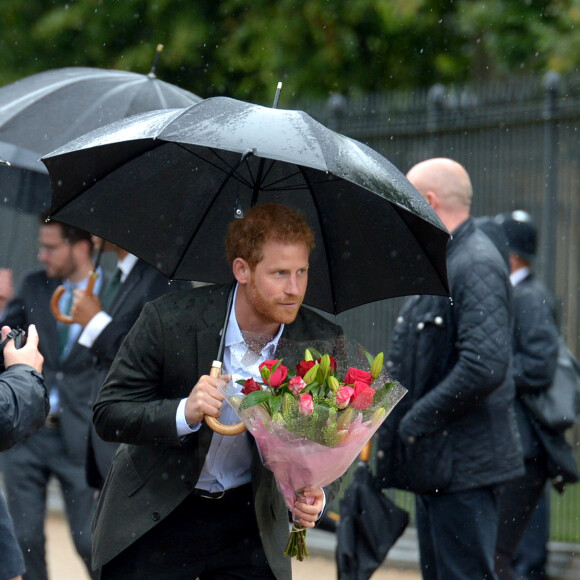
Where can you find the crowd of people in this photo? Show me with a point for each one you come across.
(151, 491)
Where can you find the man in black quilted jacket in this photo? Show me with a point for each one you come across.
(453, 440)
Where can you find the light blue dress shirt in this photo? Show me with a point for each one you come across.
(74, 329)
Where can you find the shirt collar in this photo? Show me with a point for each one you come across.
(519, 275)
(126, 265)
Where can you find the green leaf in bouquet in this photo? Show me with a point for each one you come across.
(254, 398)
(275, 403)
(312, 388)
(369, 357)
(382, 393)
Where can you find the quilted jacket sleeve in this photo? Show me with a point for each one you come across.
(482, 311)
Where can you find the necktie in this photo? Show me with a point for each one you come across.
(111, 290)
(64, 328)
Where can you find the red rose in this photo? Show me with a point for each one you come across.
(303, 367)
(276, 378)
(363, 396)
(250, 385)
(353, 375)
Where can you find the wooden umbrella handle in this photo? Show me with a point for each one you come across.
(365, 454)
(213, 423)
(65, 318)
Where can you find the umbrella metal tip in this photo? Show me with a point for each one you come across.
(279, 87)
(160, 48)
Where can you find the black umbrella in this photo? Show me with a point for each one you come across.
(165, 184)
(370, 523)
(44, 111)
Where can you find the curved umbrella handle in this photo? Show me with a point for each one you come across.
(213, 423)
(365, 453)
(65, 318)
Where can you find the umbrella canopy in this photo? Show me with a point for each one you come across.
(164, 185)
(370, 523)
(44, 111)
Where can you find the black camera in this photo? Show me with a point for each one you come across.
(19, 337)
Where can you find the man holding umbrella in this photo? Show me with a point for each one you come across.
(181, 501)
(453, 439)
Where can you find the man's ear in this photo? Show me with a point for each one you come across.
(432, 199)
(242, 271)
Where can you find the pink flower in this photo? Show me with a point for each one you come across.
(296, 385)
(303, 367)
(276, 378)
(353, 375)
(305, 405)
(363, 396)
(343, 397)
(250, 385)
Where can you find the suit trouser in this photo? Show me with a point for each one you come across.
(457, 533)
(213, 539)
(517, 502)
(27, 468)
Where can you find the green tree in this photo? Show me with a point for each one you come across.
(241, 49)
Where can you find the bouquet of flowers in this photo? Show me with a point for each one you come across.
(310, 421)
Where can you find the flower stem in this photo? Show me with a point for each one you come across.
(296, 547)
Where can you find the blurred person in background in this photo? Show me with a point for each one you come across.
(105, 321)
(547, 455)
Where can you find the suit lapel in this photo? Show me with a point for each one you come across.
(128, 286)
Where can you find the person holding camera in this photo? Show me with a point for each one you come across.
(24, 405)
(58, 449)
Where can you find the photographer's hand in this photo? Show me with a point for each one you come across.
(27, 355)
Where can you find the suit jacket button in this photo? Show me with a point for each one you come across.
(155, 516)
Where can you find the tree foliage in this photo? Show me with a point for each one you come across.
(317, 47)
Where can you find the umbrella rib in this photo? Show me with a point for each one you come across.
(243, 159)
(322, 230)
(215, 165)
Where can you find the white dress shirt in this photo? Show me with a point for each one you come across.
(101, 320)
(229, 459)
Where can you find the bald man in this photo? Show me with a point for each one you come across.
(453, 440)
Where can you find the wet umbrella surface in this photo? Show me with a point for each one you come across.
(164, 185)
(44, 111)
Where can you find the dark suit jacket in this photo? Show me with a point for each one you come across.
(174, 341)
(74, 376)
(143, 284)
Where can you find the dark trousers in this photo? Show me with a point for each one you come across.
(457, 534)
(27, 468)
(517, 502)
(532, 553)
(209, 539)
